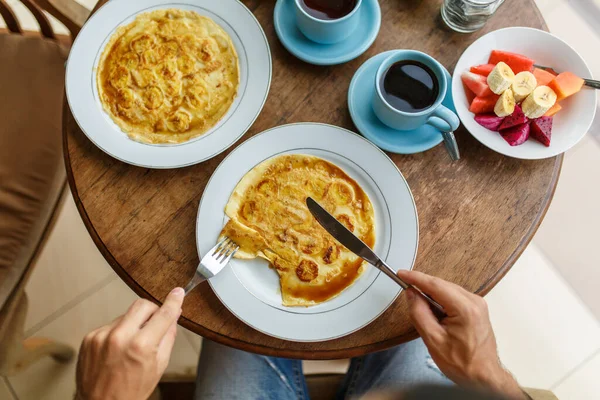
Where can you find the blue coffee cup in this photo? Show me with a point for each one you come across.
(326, 31)
(436, 115)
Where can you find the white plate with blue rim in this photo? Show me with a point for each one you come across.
(360, 95)
(358, 42)
(82, 94)
(250, 289)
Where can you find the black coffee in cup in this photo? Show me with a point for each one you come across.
(409, 86)
(328, 9)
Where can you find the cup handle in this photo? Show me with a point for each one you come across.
(447, 122)
(444, 119)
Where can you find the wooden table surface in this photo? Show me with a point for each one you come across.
(476, 216)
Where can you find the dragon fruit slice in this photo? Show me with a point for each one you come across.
(541, 130)
(514, 119)
(490, 121)
(516, 135)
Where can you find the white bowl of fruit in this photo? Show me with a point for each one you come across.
(515, 108)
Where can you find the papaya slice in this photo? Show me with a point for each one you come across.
(566, 84)
(553, 110)
(543, 77)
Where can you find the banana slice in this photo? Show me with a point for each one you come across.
(500, 78)
(523, 85)
(538, 102)
(341, 192)
(505, 104)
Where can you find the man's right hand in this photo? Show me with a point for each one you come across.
(463, 344)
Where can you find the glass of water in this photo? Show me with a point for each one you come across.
(467, 16)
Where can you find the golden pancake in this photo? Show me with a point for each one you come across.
(168, 76)
(269, 219)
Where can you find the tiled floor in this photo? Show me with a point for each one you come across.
(545, 311)
(544, 331)
(570, 228)
(80, 262)
(582, 383)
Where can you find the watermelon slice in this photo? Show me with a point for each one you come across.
(483, 69)
(514, 119)
(516, 135)
(541, 130)
(566, 84)
(477, 83)
(516, 62)
(482, 105)
(469, 93)
(489, 120)
(543, 77)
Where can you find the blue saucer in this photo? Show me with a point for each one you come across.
(360, 95)
(299, 45)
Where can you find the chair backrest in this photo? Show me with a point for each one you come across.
(72, 14)
(13, 24)
(32, 176)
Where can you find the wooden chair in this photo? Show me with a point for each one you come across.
(32, 174)
(72, 14)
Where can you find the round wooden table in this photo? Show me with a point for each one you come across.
(476, 215)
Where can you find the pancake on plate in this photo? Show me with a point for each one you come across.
(168, 76)
(269, 219)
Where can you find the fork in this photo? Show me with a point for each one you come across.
(213, 262)
(588, 82)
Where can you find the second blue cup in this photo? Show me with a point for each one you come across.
(326, 31)
(436, 115)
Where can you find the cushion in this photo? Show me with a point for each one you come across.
(31, 165)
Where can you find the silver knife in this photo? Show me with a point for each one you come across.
(358, 247)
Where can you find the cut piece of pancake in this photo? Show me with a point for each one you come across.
(269, 219)
(168, 76)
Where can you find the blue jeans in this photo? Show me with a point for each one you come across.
(227, 373)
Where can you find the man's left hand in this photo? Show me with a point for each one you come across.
(125, 359)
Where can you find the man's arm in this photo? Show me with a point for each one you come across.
(463, 344)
